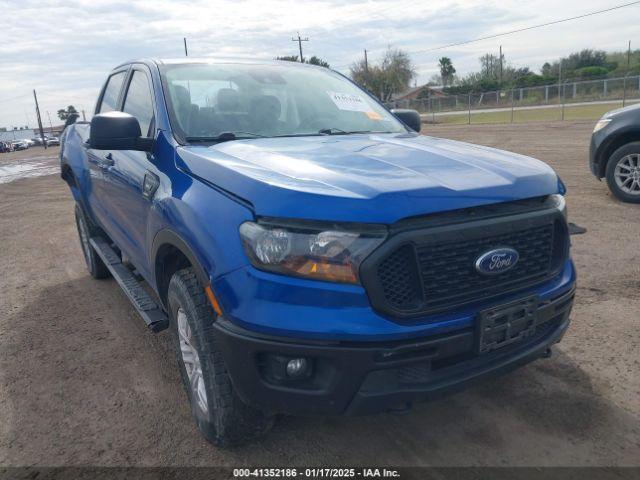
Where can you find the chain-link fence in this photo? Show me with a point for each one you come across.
(562, 101)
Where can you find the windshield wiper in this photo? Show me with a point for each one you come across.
(338, 131)
(333, 131)
(225, 137)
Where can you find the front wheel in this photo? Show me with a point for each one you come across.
(623, 173)
(222, 417)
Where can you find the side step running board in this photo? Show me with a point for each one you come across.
(146, 306)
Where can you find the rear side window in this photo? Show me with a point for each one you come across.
(139, 103)
(110, 96)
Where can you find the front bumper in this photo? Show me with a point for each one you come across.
(356, 378)
(594, 159)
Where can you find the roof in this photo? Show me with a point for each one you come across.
(217, 61)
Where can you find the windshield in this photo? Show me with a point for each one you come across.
(248, 101)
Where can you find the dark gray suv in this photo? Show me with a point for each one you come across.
(615, 152)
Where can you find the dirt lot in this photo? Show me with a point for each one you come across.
(82, 382)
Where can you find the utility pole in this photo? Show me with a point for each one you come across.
(35, 97)
(186, 53)
(560, 92)
(84, 118)
(366, 69)
(26, 115)
(300, 40)
(624, 85)
(500, 65)
(50, 124)
(559, 77)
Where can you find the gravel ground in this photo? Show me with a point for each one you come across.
(82, 382)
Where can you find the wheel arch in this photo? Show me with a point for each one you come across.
(170, 253)
(68, 174)
(616, 141)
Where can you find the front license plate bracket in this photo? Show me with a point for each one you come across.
(506, 324)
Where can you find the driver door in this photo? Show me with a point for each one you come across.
(131, 171)
(98, 161)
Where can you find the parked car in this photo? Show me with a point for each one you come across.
(308, 250)
(5, 147)
(38, 141)
(20, 145)
(615, 152)
(51, 141)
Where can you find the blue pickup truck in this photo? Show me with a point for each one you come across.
(309, 251)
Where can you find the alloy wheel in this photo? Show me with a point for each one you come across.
(627, 174)
(191, 362)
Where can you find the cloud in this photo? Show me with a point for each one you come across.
(65, 49)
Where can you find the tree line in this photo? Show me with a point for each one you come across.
(395, 71)
(497, 73)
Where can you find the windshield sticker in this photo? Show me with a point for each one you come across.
(373, 115)
(350, 102)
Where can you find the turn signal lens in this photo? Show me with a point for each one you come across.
(213, 300)
(332, 254)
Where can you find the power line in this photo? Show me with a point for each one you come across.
(554, 22)
(525, 28)
(14, 98)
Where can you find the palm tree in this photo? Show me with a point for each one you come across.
(446, 70)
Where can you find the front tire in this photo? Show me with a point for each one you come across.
(222, 417)
(623, 173)
(95, 265)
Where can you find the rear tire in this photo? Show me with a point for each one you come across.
(95, 265)
(623, 173)
(221, 416)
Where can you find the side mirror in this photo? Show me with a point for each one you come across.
(411, 118)
(117, 131)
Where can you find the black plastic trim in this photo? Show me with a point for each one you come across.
(457, 227)
(152, 313)
(355, 378)
(168, 237)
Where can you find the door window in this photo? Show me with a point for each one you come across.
(139, 102)
(111, 92)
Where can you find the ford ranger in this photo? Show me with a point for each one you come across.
(308, 250)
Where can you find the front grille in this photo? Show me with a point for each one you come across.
(449, 273)
(427, 272)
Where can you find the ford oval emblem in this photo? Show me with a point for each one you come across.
(497, 261)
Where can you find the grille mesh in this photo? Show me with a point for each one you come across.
(448, 270)
(399, 279)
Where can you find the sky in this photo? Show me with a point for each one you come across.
(65, 49)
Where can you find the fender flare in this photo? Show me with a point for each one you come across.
(169, 237)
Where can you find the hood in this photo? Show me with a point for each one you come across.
(365, 178)
(617, 111)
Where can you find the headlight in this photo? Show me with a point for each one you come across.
(600, 124)
(326, 253)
